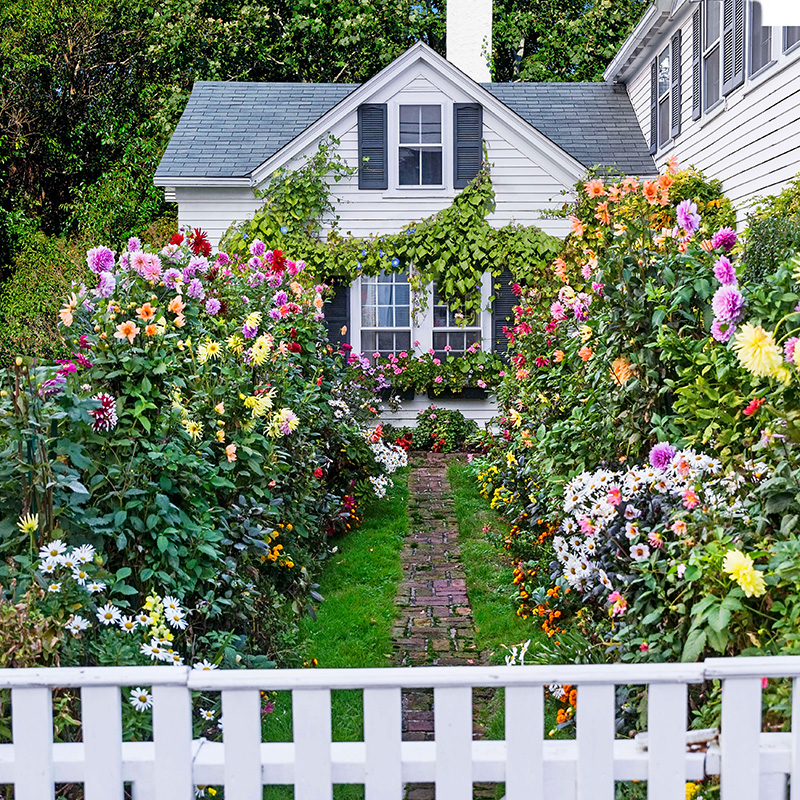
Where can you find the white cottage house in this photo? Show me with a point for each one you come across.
(702, 81)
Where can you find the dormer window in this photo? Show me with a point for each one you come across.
(420, 151)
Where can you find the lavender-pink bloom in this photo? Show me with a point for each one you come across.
(722, 331)
(661, 455)
(687, 216)
(195, 290)
(248, 332)
(223, 259)
(724, 238)
(100, 259)
(171, 276)
(213, 306)
(281, 299)
(275, 314)
(724, 271)
(257, 248)
(789, 349)
(106, 285)
(727, 304)
(134, 244)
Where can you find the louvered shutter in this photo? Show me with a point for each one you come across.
(654, 106)
(337, 315)
(373, 170)
(675, 86)
(502, 310)
(467, 142)
(732, 45)
(697, 55)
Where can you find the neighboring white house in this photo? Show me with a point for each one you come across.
(700, 80)
(713, 87)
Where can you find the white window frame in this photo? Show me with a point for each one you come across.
(422, 326)
(666, 97)
(393, 139)
(706, 51)
(749, 31)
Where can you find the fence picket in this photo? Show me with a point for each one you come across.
(172, 742)
(666, 748)
(794, 778)
(32, 732)
(524, 748)
(452, 730)
(241, 736)
(739, 738)
(101, 717)
(595, 734)
(383, 730)
(311, 721)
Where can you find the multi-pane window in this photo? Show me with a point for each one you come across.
(712, 10)
(420, 152)
(663, 97)
(760, 40)
(385, 313)
(791, 36)
(446, 329)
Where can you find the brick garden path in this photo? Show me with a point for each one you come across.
(434, 624)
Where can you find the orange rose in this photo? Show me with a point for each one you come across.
(650, 192)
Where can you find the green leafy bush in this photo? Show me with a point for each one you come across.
(442, 430)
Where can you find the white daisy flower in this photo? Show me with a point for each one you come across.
(75, 624)
(172, 604)
(154, 650)
(631, 512)
(127, 624)
(80, 575)
(141, 699)
(557, 690)
(49, 566)
(176, 659)
(68, 561)
(53, 549)
(207, 715)
(631, 530)
(204, 664)
(176, 619)
(143, 619)
(84, 553)
(640, 552)
(109, 614)
(54, 588)
(95, 586)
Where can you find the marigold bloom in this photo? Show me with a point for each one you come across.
(146, 312)
(150, 330)
(757, 350)
(577, 225)
(126, 330)
(739, 567)
(594, 188)
(585, 353)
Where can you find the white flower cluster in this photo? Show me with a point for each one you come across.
(340, 409)
(379, 484)
(391, 456)
(592, 500)
(59, 562)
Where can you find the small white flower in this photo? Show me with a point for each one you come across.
(141, 699)
(84, 553)
(176, 659)
(172, 604)
(54, 587)
(143, 619)
(176, 620)
(154, 650)
(219, 724)
(204, 664)
(109, 614)
(80, 575)
(640, 552)
(207, 715)
(127, 624)
(95, 586)
(75, 624)
(52, 550)
(49, 566)
(68, 561)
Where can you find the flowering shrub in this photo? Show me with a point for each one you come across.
(442, 430)
(200, 441)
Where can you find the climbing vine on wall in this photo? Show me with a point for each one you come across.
(453, 248)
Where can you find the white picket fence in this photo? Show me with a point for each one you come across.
(752, 765)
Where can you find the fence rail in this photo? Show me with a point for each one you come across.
(752, 765)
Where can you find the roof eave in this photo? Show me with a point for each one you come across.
(640, 37)
(177, 180)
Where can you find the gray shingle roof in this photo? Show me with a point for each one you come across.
(594, 122)
(227, 129)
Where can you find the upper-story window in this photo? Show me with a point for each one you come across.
(420, 150)
(712, 52)
(760, 40)
(791, 37)
(665, 94)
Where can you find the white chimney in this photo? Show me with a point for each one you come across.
(469, 37)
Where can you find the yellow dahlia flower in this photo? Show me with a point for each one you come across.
(757, 351)
(740, 568)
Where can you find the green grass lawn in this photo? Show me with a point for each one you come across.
(354, 624)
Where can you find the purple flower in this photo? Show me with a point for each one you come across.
(100, 259)
(790, 349)
(580, 312)
(722, 331)
(106, 285)
(598, 287)
(275, 314)
(249, 333)
(213, 306)
(257, 248)
(727, 304)
(255, 263)
(661, 455)
(134, 244)
(171, 277)
(724, 271)
(281, 299)
(687, 215)
(81, 360)
(195, 289)
(223, 259)
(557, 311)
(197, 264)
(53, 386)
(724, 238)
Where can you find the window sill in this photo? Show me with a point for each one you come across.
(415, 192)
(709, 116)
(755, 81)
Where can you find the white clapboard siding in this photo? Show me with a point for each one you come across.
(482, 411)
(749, 142)
(214, 208)
(752, 765)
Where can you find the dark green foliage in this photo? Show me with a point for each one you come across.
(773, 233)
(442, 430)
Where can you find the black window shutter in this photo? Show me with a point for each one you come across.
(732, 45)
(337, 315)
(503, 310)
(467, 142)
(654, 106)
(697, 54)
(675, 86)
(373, 169)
